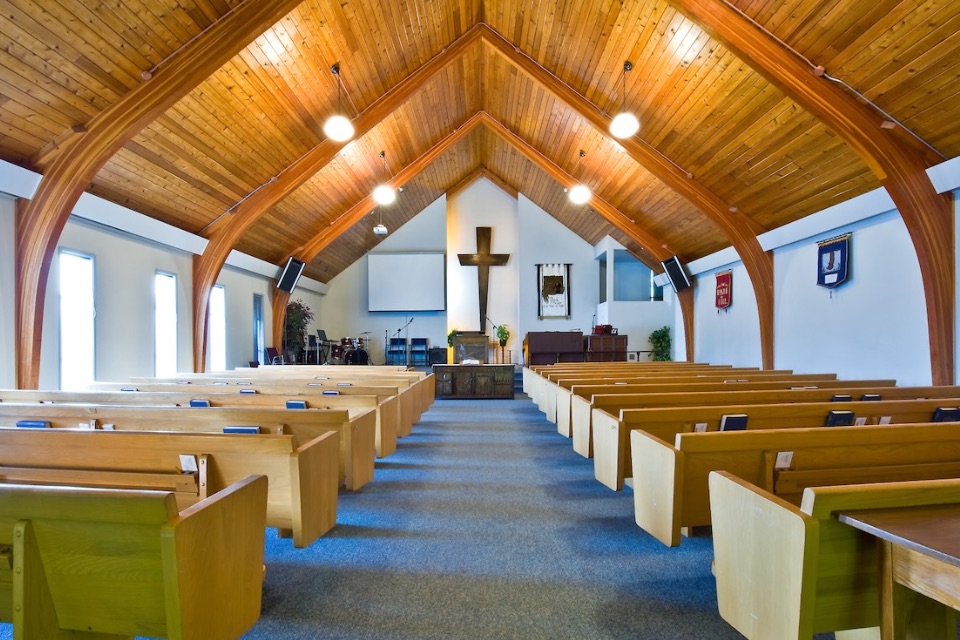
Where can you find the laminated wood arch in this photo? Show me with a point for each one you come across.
(40, 221)
(229, 229)
(899, 163)
(740, 229)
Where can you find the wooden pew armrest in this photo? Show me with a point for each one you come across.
(766, 552)
(213, 562)
(657, 487)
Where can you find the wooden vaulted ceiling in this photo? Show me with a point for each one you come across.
(705, 110)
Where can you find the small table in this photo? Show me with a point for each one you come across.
(919, 550)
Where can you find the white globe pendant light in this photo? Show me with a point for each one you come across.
(338, 127)
(624, 124)
(579, 193)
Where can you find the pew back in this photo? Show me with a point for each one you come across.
(103, 561)
(611, 441)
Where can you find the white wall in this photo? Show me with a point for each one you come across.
(7, 298)
(124, 268)
(731, 336)
(483, 204)
(343, 311)
(544, 240)
(874, 326)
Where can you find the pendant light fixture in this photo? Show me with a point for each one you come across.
(580, 193)
(380, 229)
(384, 193)
(625, 124)
(338, 127)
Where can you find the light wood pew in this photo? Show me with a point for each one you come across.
(786, 573)
(560, 396)
(406, 397)
(731, 394)
(418, 383)
(546, 388)
(386, 407)
(110, 564)
(355, 434)
(611, 434)
(302, 492)
(670, 478)
(533, 375)
(556, 390)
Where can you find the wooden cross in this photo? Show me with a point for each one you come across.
(483, 260)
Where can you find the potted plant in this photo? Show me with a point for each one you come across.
(503, 334)
(451, 336)
(660, 342)
(295, 326)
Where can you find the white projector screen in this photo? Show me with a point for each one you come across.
(406, 282)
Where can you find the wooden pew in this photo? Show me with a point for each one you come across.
(786, 573)
(302, 493)
(552, 388)
(670, 479)
(107, 563)
(611, 439)
(730, 394)
(534, 375)
(385, 407)
(559, 400)
(355, 434)
(408, 413)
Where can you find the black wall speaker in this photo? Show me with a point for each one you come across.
(676, 274)
(291, 273)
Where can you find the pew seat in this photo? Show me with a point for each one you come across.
(110, 564)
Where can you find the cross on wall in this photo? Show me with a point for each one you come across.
(483, 260)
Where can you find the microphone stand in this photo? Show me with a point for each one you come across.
(406, 355)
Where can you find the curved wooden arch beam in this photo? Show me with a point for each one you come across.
(278, 315)
(899, 164)
(40, 221)
(225, 233)
(740, 229)
(613, 215)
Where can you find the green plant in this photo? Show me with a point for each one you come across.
(451, 336)
(660, 342)
(503, 334)
(295, 325)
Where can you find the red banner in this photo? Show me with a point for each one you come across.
(724, 289)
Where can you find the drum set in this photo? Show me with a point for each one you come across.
(349, 351)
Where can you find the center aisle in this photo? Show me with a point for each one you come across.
(486, 524)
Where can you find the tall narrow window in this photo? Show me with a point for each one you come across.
(165, 324)
(218, 330)
(258, 345)
(77, 344)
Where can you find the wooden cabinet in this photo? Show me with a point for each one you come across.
(605, 348)
(548, 347)
(474, 381)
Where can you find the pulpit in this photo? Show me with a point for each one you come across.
(470, 345)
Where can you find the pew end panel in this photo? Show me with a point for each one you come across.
(765, 554)
(314, 495)
(607, 449)
(580, 425)
(105, 563)
(657, 487)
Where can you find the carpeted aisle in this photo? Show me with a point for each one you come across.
(486, 524)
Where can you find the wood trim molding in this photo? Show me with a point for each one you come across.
(898, 162)
(41, 220)
(483, 172)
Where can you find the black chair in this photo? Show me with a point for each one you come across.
(419, 351)
(397, 351)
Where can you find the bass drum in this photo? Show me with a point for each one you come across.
(356, 356)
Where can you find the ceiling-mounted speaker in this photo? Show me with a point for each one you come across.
(676, 274)
(290, 275)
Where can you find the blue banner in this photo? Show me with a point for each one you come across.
(833, 257)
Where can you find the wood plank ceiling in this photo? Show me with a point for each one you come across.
(64, 61)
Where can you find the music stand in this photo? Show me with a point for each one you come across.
(321, 344)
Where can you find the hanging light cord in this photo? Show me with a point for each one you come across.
(820, 71)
